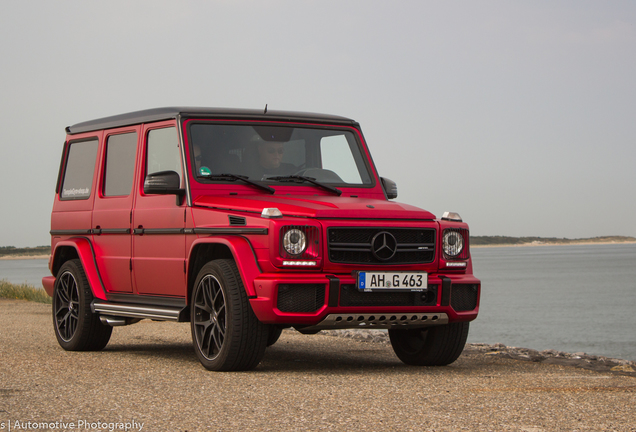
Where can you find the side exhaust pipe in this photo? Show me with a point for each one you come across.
(117, 321)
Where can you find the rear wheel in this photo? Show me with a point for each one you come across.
(225, 332)
(431, 346)
(77, 328)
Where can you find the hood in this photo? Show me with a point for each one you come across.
(320, 207)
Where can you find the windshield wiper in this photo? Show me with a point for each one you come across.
(234, 177)
(308, 180)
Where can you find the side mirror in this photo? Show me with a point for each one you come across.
(390, 188)
(164, 183)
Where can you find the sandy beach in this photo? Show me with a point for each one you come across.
(149, 373)
(24, 257)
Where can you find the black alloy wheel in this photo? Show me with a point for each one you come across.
(226, 334)
(76, 327)
(66, 311)
(210, 317)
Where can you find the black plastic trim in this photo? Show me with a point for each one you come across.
(260, 231)
(334, 291)
(446, 291)
(164, 231)
(99, 231)
(77, 232)
(217, 231)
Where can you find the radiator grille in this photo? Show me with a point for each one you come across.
(300, 297)
(361, 245)
(351, 296)
(464, 297)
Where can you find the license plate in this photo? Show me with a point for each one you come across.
(392, 281)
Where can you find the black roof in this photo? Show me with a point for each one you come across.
(167, 113)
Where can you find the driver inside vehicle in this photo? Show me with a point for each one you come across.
(270, 160)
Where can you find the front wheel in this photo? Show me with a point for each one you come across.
(225, 332)
(431, 346)
(77, 328)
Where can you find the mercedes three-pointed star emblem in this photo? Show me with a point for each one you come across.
(383, 246)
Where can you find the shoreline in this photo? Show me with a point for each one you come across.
(24, 257)
(581, 360)
(472, 246)
(534, 244)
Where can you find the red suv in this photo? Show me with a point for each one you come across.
(244, 223)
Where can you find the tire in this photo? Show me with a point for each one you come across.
(77, 328)
(226, 334)
(432, 346)
(274, 334)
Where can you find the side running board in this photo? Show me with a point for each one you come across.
(160, 313)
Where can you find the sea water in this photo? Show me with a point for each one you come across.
(577, 298)
(24, 271)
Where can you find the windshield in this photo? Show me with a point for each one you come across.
(267, 153)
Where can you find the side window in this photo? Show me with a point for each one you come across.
(121, 151)
(163, 151)
(337, 157)
(80, 167)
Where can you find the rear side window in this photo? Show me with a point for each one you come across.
(121, 151)
(80, 167)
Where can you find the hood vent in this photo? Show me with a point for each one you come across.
(237, 221)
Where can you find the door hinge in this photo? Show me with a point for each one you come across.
(130, 264)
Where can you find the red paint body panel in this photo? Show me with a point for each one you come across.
(48, 282)
(113, 251)
(322, 207)
(243, 255)
(85, 253)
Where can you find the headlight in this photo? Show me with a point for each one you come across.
(453, 243)
(294, 242)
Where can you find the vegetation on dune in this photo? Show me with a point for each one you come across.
(23, 292)
(509, 241)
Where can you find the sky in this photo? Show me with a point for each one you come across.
(519, 116)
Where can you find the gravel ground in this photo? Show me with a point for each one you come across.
(148, 374)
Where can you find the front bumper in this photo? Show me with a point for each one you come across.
(317, 301)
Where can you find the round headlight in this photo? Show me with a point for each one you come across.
(294, 241)
(453, 243)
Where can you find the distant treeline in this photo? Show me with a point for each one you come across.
(12, 250)
(503, 240)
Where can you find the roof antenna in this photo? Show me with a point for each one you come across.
(265, 112)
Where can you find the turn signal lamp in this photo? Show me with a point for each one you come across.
(452, 216)
(271, 212)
